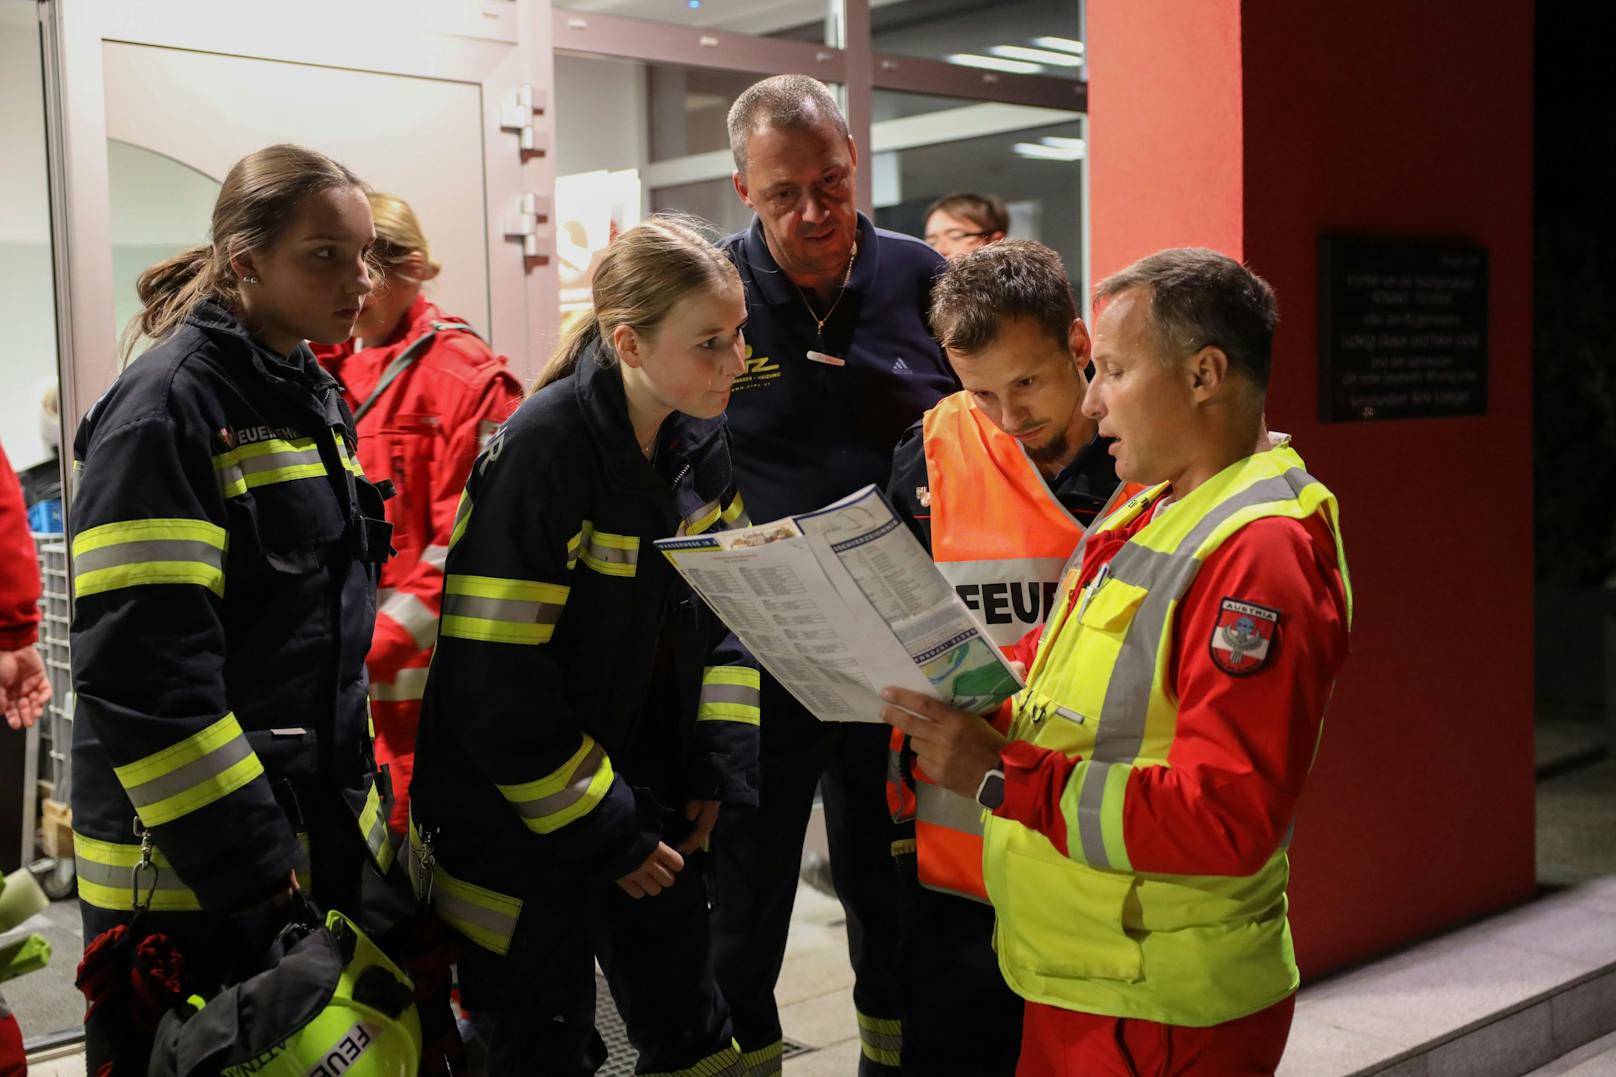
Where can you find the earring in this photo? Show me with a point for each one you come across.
(249, 280)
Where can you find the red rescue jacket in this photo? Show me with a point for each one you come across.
(19, 567)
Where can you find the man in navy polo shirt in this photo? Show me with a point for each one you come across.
(840, 362)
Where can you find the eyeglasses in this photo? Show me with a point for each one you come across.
(953, 235)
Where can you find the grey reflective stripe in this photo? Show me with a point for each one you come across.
(729, 693)
(1165, 576)
(128, 553)
(406, 685)
(462, 510)
(1089, 827)
(191, 774)
(577, 786)
(376, 837)
(413, 616)
(939, 807)
(436, 556)
(112, 875)
(452, 907)
(609, 554)
(516, 610)
(882, 1041)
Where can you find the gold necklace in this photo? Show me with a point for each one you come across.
(819, 323)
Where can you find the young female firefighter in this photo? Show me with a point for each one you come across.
(586, 717)
(225, 545)
(426, 393)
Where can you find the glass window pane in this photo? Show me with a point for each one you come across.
(1028, 37)
(1036, 170)
(813, 21)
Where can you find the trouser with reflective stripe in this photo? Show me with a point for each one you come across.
(534, 1009)
(960, 1019)
(758, 857)
(219, 949)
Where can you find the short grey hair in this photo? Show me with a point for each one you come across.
(798, 102)
(1201, 298)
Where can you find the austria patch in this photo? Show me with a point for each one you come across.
(1244, 637)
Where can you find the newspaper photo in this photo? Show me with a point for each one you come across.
(842, 602)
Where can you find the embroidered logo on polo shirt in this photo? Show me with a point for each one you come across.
(900, 367)
(759, 369)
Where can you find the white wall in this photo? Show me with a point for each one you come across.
(27, 293)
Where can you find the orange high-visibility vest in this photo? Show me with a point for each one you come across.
(1001, 538)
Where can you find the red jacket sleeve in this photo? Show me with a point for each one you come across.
(1245, 742)
(467, 424)
(19, 567)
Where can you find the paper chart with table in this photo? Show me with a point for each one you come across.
(839, 603)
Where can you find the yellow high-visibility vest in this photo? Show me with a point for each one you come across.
(1084, 931)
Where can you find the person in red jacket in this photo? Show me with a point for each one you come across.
(426, 393)
(24, 688)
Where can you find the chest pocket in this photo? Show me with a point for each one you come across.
(1102, 623)
(405, 451)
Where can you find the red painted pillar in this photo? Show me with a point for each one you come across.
(1254, 128)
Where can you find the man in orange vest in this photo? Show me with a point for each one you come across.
(998, 481)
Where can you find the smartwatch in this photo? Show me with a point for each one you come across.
(990, 794)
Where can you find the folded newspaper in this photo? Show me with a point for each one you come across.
(840, 603)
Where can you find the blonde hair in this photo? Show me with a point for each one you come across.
(255, 204)
(644, 272)
(398, 234)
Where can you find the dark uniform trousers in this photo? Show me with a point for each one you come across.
(534, 1009)
(759, 856)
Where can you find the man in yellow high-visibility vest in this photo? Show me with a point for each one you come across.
(1140, 809)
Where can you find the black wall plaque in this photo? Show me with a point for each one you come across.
(1402, 329)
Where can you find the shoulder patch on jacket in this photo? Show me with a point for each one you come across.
(1244, 637)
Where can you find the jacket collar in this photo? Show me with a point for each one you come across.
(776, 288)
(600, 395)
(299, 369)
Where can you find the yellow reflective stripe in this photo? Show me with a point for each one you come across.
(105, 872)
(709, 514)
(729, 694)
(374, 829)
(725, 1063)
(486, 917)
(573, 545)
(764, 1062)
(1092, 804)
(350, 463)
(606, 553)
(881, 1039)
(191, 774)
(461, 518)
(264, 462)
(567, 793)
(164, 550)
(495, 610)
(735, 510)
(903, 846)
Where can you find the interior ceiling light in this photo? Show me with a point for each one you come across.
(1040, 152)
(1037, 56)
(994, 63)
(1061, 44)
(693, 4)
(1060, 142)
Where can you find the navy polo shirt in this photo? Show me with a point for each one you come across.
(805, 433)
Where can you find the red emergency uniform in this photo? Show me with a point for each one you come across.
(1242, 749)
(19, 567)
(422, 433)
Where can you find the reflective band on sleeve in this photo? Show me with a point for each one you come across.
(729, 694)
(938, 807)
(881, 1038)
(1092, 806)
(567, 793)
(406, 685)
(497, 610)
(486, 917)
(159, 551)
(733, 515)
(606, 553)
(191, 774)
(265, 462)
(765, 1061)
(105, 871)
(725, 1063)
(352, 465)
(461, 518)
(413, 616)
(374, 830)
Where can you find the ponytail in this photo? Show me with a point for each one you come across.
(168, 291)
(564, 360)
